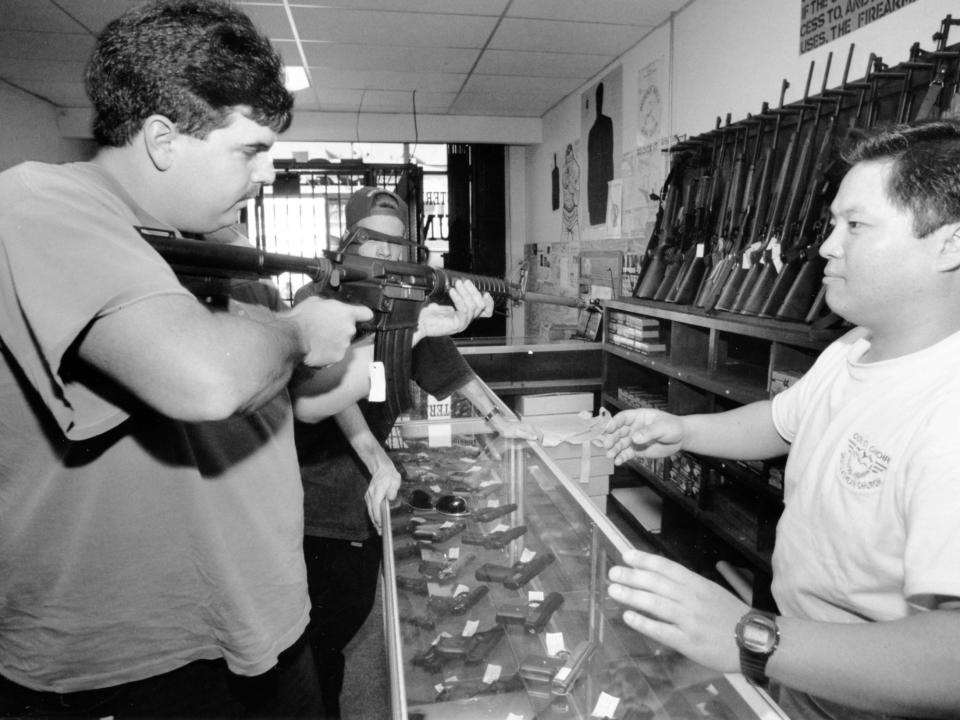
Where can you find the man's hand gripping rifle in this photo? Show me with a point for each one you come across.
(396, 291)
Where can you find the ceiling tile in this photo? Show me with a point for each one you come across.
(392, 28)
(562, 36)
(541, 64)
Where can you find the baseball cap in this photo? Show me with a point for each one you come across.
(378, 210)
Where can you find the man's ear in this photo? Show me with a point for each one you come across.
(159, 133)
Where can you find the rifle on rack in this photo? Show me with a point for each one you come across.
(806, 268)
(761, 256)
(660, 248)
(698, 260)
(777, 240)
(731, 218)
(932, 97)
(815, 314)
(395, 291)
(760, 201)
(681, 233)
(951, 107)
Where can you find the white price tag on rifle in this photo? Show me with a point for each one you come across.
(378, 382)
(700, 250)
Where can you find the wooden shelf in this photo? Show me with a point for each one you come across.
(713, 361)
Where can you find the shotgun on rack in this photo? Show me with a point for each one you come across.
(395, 291)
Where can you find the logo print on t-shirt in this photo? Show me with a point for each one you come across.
(862, 466)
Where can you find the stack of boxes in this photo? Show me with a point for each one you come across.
(634, 332)
(570, 415)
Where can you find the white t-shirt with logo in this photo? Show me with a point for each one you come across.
(871, 525)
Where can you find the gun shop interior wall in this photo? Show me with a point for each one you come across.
(711, 60)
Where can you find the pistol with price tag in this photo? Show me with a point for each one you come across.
(495, 540)
(459, 604)
(540, 615)
(525, 572)
(438, 532)
(483, 643)
(440, 571)
(566, 676)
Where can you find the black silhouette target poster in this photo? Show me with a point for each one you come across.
(601, 113)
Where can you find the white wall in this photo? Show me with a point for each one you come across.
(29, 131)
(727, 56)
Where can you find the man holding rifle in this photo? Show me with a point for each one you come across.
(867, 550)
(152, 509)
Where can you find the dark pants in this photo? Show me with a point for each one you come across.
(342, 577)
(201, 689)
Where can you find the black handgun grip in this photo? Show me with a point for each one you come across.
(539, 617)
(491, 572)
(483, 643)
(528, 571)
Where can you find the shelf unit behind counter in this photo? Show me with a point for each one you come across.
(687, 361)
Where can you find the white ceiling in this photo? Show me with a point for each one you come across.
(507, 58)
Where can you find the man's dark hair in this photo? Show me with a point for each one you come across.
(925, 171)
(192, 61)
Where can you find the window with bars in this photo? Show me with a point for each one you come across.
(303, 212)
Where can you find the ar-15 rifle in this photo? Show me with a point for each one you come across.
(395, 291)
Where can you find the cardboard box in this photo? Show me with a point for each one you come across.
(554, 403)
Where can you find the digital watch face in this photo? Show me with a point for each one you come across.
(755, 637)
(758, 635)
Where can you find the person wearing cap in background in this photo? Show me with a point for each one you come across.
(345, 469)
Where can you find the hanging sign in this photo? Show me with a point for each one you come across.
(822, 21)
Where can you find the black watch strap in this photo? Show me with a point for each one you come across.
(754, 667)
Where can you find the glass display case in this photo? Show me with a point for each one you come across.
(495, 592)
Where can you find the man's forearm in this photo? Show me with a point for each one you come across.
(744, 433)
(905, 667)
(190, 364)
(354, 426)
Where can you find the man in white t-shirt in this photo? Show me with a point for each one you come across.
(866, 567)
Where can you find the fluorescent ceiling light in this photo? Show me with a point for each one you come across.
(295, 78)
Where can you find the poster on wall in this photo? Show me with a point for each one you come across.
(823, 21)
(570, 193)
(645, 166)
(601, 112)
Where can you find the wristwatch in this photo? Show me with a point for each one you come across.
(757, 637)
